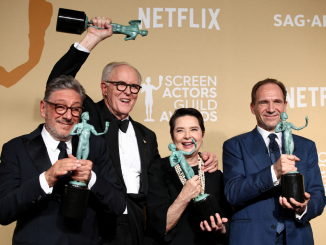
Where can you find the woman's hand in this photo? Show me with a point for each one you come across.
(191, 189)
(219, 227)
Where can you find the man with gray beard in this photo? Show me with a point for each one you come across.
(35, 168)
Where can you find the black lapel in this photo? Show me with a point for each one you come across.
(74, 143)
(257, 149)
(142, 143)
(111, 136)
(37, 150)
(297, 146)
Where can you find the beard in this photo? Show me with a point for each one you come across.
(53, 130)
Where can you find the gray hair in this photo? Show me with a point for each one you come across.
(108, 69)
(64, 82)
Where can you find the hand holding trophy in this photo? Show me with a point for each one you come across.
(76, 22)
(292, 182)
(75, 197)
(205, 204)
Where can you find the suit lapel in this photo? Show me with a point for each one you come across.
(74, 143)
(142, 143)
(37, 150)
(297, 146)
(257, 149)
(111, 137)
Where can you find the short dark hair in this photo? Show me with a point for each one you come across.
(266, 81)
(64, 82)
(186, 112)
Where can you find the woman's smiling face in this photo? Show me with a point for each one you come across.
(187, 128)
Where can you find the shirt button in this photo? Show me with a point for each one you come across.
(273, 227)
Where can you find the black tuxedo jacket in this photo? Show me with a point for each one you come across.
(165, 186)
(70, 64)
(22, 199)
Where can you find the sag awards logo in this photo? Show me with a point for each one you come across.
(300, 20)
(183, 92)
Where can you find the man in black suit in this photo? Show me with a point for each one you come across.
(35, 167)
(133, 147)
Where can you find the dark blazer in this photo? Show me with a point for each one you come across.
(22, 199)
(165, 187)
(249, 187)
(70, 64)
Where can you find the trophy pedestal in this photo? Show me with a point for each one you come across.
(71, 21)
(208, 207)
(293, 186)
(74, 201)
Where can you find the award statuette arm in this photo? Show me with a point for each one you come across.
(106, 129)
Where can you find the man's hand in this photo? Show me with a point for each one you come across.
(191, 189)
(210, 162)
(94, 36)
(61, 167)
(220, 226)
(285, 164)
(297, 207)
(84, 172)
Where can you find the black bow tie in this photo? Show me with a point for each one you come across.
(123, 125)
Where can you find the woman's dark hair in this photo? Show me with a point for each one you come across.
(186, 112)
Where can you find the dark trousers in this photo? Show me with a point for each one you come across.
(122, 234)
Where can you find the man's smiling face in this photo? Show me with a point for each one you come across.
(59, 126)
(120, 103)
(268, 106)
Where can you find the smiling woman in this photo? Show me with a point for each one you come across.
(171, 214)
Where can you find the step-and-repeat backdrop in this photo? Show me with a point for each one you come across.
(201, 54)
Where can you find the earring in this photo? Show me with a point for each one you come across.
(202, 143)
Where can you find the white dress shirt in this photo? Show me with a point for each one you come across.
(128, 152)
(129, 159)
(53, 153)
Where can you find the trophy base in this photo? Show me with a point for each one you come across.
(293, 186)
(208, 207)
(71, 21)
(74, 201)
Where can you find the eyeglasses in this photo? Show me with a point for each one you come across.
(62, 109)
(122, 86)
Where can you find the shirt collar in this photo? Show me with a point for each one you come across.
(51, 142)
(264, 133)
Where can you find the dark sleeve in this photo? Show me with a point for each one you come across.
(226, 209)
(156, 156)
(107, 189)
(69, 64)
(16, 198)
(313, 185)
(241, 188)
(158, 202)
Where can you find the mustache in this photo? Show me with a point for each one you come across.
(62, 120)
